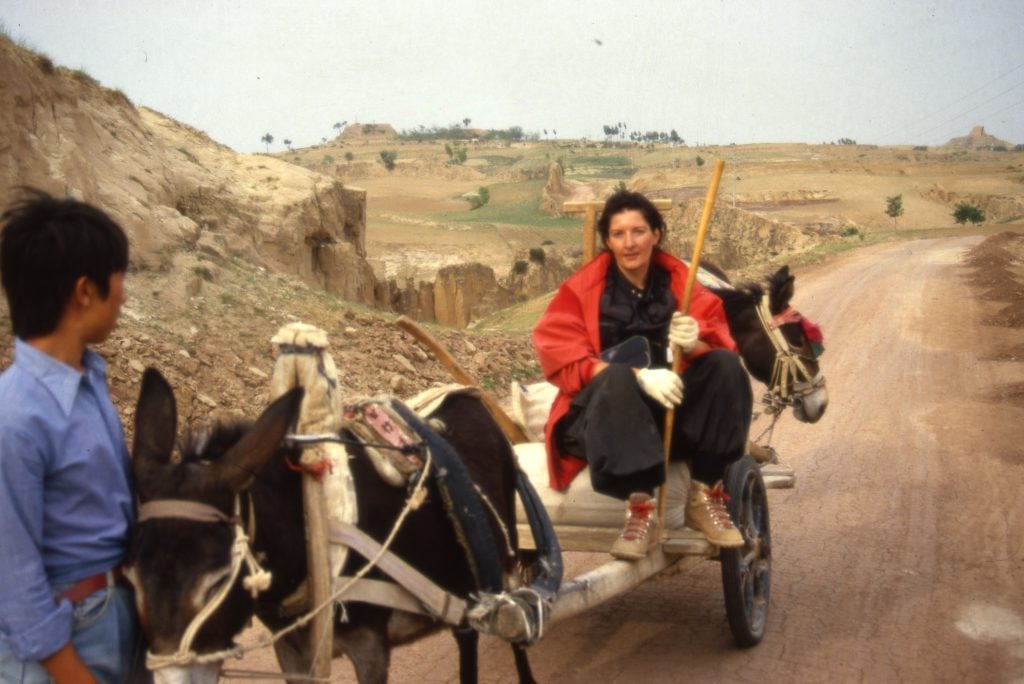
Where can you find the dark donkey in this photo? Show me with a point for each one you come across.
(237, 482)
(779, 347)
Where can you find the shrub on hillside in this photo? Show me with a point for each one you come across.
(388, 157)
(965, 211)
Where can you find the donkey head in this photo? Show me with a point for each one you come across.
(805, 343)
(760, 353)
(182, 555)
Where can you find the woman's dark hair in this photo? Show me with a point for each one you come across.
(626, 201)
(47, 244)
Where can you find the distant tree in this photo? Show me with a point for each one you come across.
(894, 207)
(465, 122)
(327, 160)
(620, 186)
(456, 153)
(700, 160)
(287, 143)
(388, 157)
(554, 133)
(965, 211)
(674, 137)
(267, 138)
(323, 140)
(482, 197)
(349, 156)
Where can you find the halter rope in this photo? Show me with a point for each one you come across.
(241, 552)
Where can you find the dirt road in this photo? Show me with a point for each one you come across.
(899, 556)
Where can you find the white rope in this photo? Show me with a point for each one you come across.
(497, 519)
(257, 581)
(185, 656)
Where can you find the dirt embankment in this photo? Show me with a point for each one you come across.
(210, 335)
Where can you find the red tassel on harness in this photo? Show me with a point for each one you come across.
(812, 331)
(317, 470)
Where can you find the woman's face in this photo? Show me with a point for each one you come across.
(632, 241)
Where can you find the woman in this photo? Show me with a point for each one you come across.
(610, 409)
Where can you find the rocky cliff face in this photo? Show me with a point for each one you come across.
(170, 186)
(735, 238)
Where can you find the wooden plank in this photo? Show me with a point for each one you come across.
(589, 234)
(321, 628)
(681, 542)
(612, 579)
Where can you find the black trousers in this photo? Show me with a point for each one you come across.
(618, 429)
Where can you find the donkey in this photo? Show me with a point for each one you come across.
(779, 346)
(239, 478)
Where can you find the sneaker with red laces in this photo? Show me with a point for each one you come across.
(706, 512)
(641, 530)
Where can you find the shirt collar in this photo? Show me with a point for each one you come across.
(60, 379)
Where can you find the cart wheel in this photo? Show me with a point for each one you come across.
(747, 571)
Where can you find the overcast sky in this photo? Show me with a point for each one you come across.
(718, 72)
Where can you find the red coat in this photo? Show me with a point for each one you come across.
(568, 341)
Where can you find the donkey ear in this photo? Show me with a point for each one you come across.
(249, 454)
(782, 290)
(156, 419)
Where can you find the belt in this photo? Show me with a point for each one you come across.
(84, 588)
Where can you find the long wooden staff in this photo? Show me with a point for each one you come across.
(515, 434)
(677, 353)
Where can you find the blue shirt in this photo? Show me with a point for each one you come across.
(66, 499)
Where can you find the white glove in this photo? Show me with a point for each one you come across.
(683, 332)
(662, 385)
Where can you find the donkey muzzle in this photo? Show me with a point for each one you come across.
(810, 399)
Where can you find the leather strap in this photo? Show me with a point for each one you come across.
(435, 600)
(181, 508)
(84, 588)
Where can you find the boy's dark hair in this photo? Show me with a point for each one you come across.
(46, 245)
(626, 201)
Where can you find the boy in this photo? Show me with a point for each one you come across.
(66, 497)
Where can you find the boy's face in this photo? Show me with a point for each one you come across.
(103, 313)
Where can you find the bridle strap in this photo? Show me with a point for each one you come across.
(241, 554)
(183, 509)
(788, 368)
